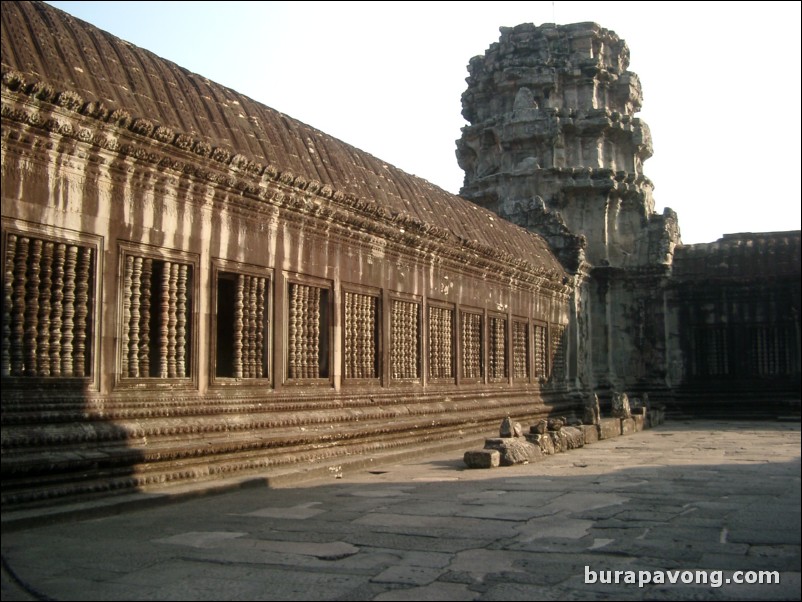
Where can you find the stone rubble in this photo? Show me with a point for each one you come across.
(554, 435)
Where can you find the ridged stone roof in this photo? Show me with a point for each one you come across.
(51, 47)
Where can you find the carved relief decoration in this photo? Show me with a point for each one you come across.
(541, 348)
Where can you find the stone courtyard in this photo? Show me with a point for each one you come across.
(710, 496)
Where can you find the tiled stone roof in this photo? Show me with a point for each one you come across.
(56, 51)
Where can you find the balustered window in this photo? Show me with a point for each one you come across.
(471, 340)
(48, 307)
(157, 316)
(520, 350)
(441, 342)
(497, 348)
(557, 351)
(360, 335)
(541, 352)
(241, 312)
(405, 340)
(308, 332)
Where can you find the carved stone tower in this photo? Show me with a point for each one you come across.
(554, 145)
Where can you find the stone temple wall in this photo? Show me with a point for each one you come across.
(197, 286)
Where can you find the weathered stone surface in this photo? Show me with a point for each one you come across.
(510, 429)
(515, 450)
(640, 421)
(482, 458)
(620, 407)
(543, 441)
(558, 441)
(609, 428)
(627, 426)
(555, 424)
(573, 437)
(540, 427)
(592, 412)
(590, 432)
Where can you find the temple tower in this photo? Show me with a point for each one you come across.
(554, 145)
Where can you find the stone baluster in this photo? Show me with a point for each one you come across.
(348, 336)
(293, 334)
(181, 321)
(134, 317)
(260, 330)
(31, 315)
(164, 325)
(144, 323)
(43, 337)
(58, 309)
(68, 324)
(314, 339)
(253, 315)
(17, 334)
(239, 295)
(172, 321)
(8, 302)
(128, 278)
(82, 309)
(18, 313)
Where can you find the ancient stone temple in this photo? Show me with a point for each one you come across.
(196, 286)
(554, 144)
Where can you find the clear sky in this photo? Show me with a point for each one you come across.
(721, 83)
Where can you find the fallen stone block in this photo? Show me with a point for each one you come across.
(543, 441)
(539, 428)
(640, 421)
(574, 438)
(609, 428)
(621, 406)
(627, 426)
(590, 433)
(558, 439)
(506, 428)
(482, 458)
(514, 450)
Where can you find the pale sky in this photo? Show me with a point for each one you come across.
(721, 83)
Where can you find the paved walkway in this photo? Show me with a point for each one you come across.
(704, 496)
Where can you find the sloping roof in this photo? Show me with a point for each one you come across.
(746, 255)
(49, 46)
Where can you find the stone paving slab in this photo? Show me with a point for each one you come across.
(687, 496)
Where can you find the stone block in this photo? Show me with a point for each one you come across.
(574, 437)
(640, 421)
(482, 458)
(627, 426)
(621, 406)
(514, 450)
(543, 441)
(590, 433)
(539, 428)
(558, 440)
(505, 430)
(609, 428)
